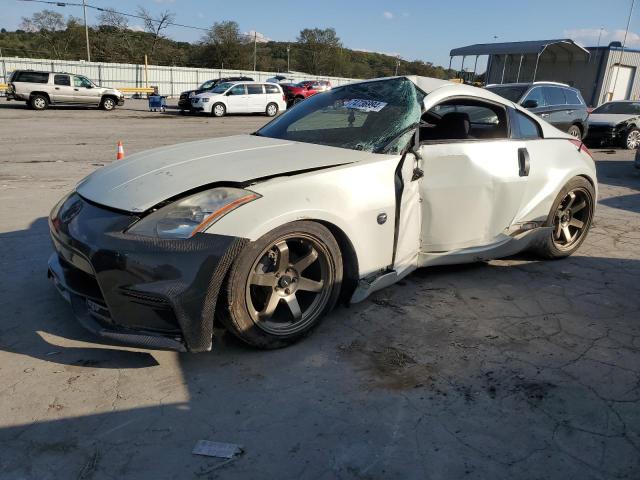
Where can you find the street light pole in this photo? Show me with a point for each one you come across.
(255, 49)
(86, 29)
(288, 49)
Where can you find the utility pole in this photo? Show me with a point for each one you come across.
(255, 49)
(86, 29)
(624, 43)
(288, 49)
(397, 65)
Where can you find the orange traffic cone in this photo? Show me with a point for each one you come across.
(120, 154)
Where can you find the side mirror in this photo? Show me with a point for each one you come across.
(530, 104)
(229, 93)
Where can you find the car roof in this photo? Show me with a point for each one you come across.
(529, 84)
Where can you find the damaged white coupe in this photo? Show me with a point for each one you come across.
(346, 193)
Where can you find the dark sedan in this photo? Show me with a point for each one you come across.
(615, 123)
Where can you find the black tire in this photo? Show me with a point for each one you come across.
(271, 110)
(564, 214)
(108, 104)
(632, 139)
(575, 131)
(265, 285)
(38, 102)
(219, 110)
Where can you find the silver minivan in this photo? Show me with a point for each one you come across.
(41, 89)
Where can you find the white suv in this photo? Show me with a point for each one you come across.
(241, 97)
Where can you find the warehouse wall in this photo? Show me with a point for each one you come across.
(169, 80)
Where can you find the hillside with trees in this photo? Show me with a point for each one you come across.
(48, 34)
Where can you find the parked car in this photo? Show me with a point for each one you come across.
(615, 123)
(184, 102)
(240, 97)
(334, 199)
(41, 89)
(300, 91)
(281, 79)
(559, 104)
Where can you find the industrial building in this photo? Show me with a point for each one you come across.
(601, 73)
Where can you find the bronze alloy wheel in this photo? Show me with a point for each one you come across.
(289, 284)
(572, 218)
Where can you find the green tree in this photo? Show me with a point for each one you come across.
(224, 45)
(318, 51)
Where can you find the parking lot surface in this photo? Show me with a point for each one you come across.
(506, 369)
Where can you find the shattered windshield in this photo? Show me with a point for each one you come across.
(373, 116)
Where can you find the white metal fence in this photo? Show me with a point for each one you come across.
(169, 80)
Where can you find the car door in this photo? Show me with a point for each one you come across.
(62, 90)
(257, 98)
(474, 175)
(556, 113)
(84, 91)
(237, 99)
(536, 97)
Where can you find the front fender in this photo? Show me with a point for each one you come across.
(351, 197)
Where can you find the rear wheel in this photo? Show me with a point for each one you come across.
(282, 285)
(39, 102)
(632, 139)
(218, 110)
(575, 131)
(570, 217)
(272, 110)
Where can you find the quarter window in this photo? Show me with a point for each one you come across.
(62, 80)
(254, 89)
(573, 97)
(32, 77)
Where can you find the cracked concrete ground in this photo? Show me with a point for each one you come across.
(507, 369)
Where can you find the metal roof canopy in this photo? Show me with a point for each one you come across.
(559, 46)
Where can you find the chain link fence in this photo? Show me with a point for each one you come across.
(169, 80)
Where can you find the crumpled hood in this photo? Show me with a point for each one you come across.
(609, 118)
(145, 179)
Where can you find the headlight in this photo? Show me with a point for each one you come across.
(205, 99)
(188, 216)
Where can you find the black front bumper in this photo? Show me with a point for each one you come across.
(148, 292)
(604, 135)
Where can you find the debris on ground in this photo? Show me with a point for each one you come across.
(217, 449)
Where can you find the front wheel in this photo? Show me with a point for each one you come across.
(575, 131)
(571, 216)
(218, 110)
(108, 104)
(632, 139)
(272, 110)
(282, 285)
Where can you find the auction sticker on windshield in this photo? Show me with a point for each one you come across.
(365, 105)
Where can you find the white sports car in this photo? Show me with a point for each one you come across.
(344, 194)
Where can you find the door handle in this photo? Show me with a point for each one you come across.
(544, 115)
(76, 89)
(523, 162)
(57, 88)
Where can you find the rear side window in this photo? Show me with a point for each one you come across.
(254, 89)
(525, 127)
(573, 97)
(555, 96)
(62, 80)
(32, 77)
(271, 88)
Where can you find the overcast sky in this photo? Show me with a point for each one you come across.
(413, 29)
